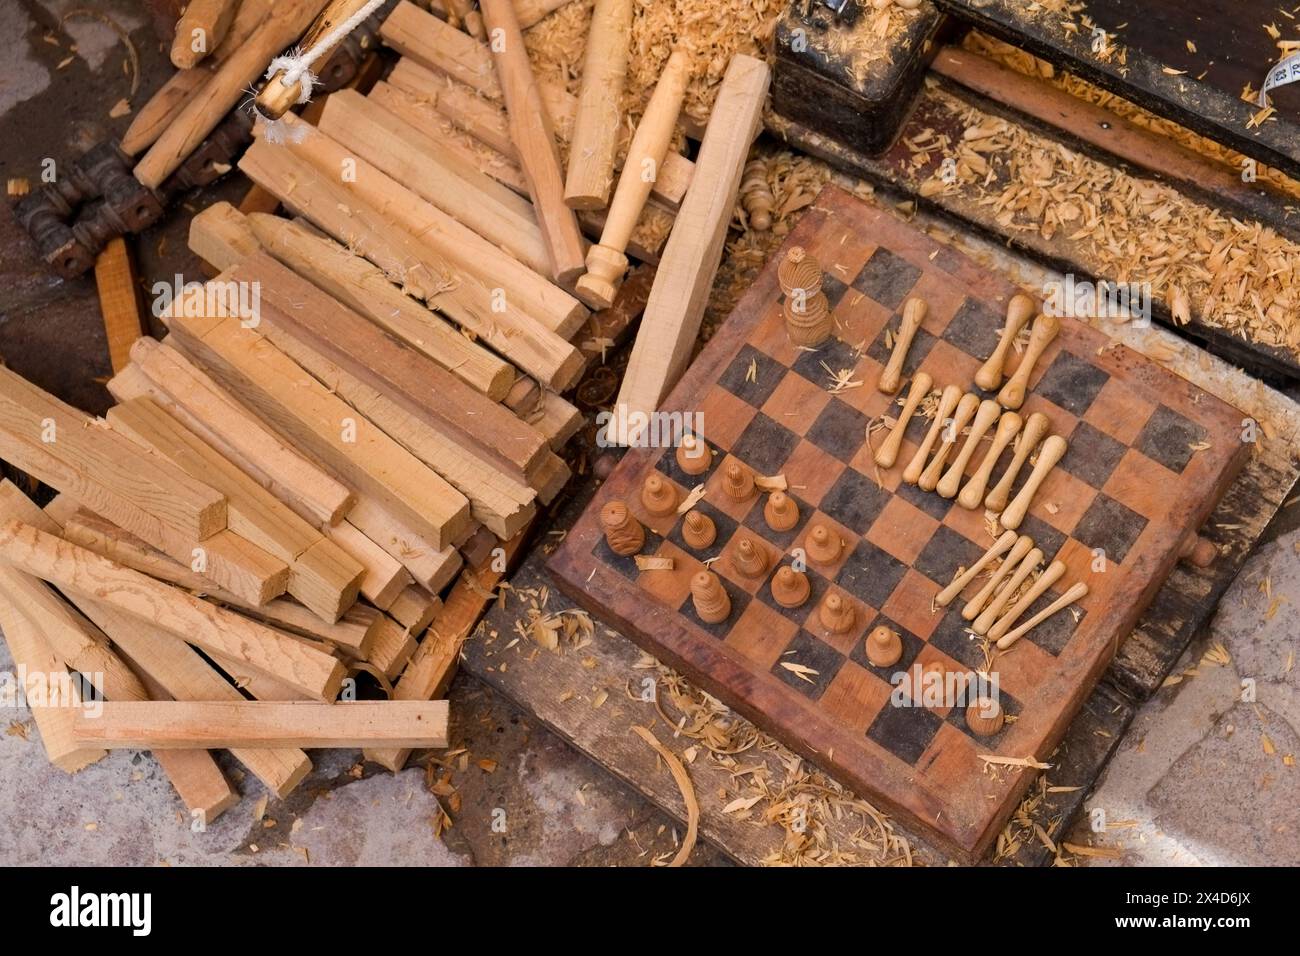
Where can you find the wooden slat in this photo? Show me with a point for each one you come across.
(385, 577)
(430, 567)
(393, 647)
(119, 300)
(414, 609)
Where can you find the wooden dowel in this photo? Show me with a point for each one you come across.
(1040, 337)
(200, 30)
(892, 374)
(1076, 593)
(948, 400)
(1035, 430)
(600, 106)
(966, 409)
(1024, 544)
(119, 300)
(1014, 514)
(973, 492)
(995, 607)
(985, 416)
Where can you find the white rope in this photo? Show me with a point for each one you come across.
(297, 65)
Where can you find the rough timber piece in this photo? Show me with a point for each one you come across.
(1036, 426)
(947, 405)
(607, 261)
(1040, 337)
(534, 139)
(522, 338)
(198, 781)
(323, 425)
(985, 416)
(600, 105)
(78, 571)
(1019, 311)
(228, 85)
(431, 567)
(999, 547)
(414, 609)
(200, 30)
(1051, 452)
(393, 647)
(172, 725)
(384, 578)
(210, 412)
(887, 453)
(690, 260)
(321, 575)
(973, 492)
(892, 374)
(119, 300)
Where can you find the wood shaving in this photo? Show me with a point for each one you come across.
(683, 781)
(653, 562)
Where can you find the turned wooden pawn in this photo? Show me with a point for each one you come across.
(799, 270)
(738, 482)
(984, 717)
(659, 497)
(808, 320)
(693, 455)
(823, 545)
(712, 603)
(884, 647)
(623, 533)
(780, 512)
(790, 588)
(749, 559)
(836, 614)
(698, 530)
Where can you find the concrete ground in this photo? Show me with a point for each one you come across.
(1204, 776)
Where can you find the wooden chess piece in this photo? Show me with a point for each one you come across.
(711, 600)
(1024, 544)
(799, 270)
(756, 195)
(623, 533)
(738, 482)
(823, 546)
(1013, 392)
(693, 455)
(1007, 592)
(973, 491)
(750, 559)
(698, 530)
(1076, 593)
(965, 411)
(984, 717)
(1197, 551)
(808, 319)
(1019, 311)
(1035, 431)
(658, 497)
(836, 614)
(999, 548)
(780, 512)
(1053, 573)
(987, 414)
(1013, 514)
(947, 405)
(887, 453)
(930, 681)
(790, 588)
(884, 647)
(892, 374)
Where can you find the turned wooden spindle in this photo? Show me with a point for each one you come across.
(711, 600)
(1000, 600)
(892, 374)
(600, 105)
(1035, 430)
(965, 411)
(1013, 514)
(973, 491)
(884, 646)
(887, 453)
(947, 405)
(985, 416)
(1013, 392)
(1076, 593)
(790, 588)
(1024, 544)
(1019, 311)
(1051, 574)
(985, 717)
(606, 261)
(623, 533)
(999, 548)
(658, 496)
(799, 271)
(756, 195)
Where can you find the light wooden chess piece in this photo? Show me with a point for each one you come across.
(698, 530)
(1197, 551)
(884, 647)
(790, 588)
(738, 482)
(799, 270)
(887, 453)
(1008, 591)
(711, 600)
(693, 455)
(780, 512)
(658, 497)
(999, 548)
(836, 614)
(1013, 392)
(823, 546)
(965, 411)
(1019, 311)
(973, 491)
(750, 559)
(892, 375)
(756, 195)
(984, 717)
(623, 533)
(808, 319)
(1024, 544)
(1077, 592)
(987, 414)
(947, 405)
(1013, 514)
(1053, 573)
(1036, 427)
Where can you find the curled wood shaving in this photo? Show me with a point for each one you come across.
(691, 500)
(654, 562)
(770, 482)
(683, 781)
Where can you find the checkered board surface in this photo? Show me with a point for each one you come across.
(1149, 456)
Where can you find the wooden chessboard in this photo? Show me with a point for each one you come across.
(1150, 454)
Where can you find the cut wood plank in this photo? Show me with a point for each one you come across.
(385, 577)
(198, 781)
(694, 251)
(393, 647)
(78, 571)
(119, 300)
(323, 426)
(600, 106)
(414, 609)
(169, 725)
(431, 567)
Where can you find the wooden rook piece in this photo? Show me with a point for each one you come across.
(1024, 544)
(836, 614)
(750, 560)
(892, 375)
(999, 548)
(985, 416)
(887, 453)
(1019, 310)
(1076, 593)
(1053, 573)
(1053, 448)
(780, 512)
(984, 717)
(808, 319)
(1013, 392)
(884, 647)
(738, 482)
(1035, 430)
(947, 405)
(658, 496)
(600, 105)
(693, 455)
(961, 417)
(698, 530)
(799, 271)
(823, 546)
(623, 533)
(973, 492)
(712, 603)
(790, 588)
(1008, 591)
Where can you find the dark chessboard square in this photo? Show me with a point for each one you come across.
(835, 354)
(886, 278)
(765, 445)
(1071, 383)
(833, 289)
(667, 464)
(936, 506)
(855, 501)
(817, 588)
(1046, 538)
(1010, 707)
(912, 646)
(1168, 438)
(757, 522)
(767, 376)
(1092, 455)
(916, 353)
(815, 664)
(944, 554)
(905, 731)
(626, 566)
(1111, 526)
(724, 523)
(739, 601)
(954, 637)
(870, 574)
(974, 328)
(839, 430)
(1053, 634)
